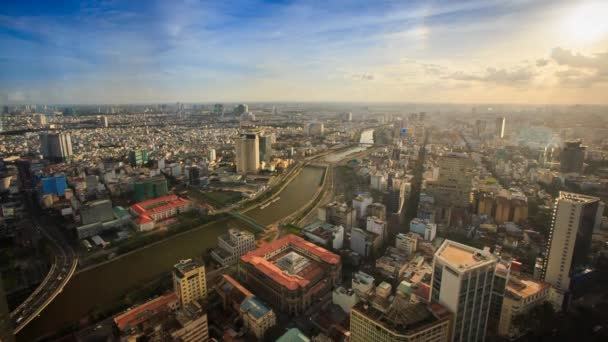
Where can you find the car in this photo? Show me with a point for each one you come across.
(19, 319)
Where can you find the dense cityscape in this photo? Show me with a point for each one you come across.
(431, 220)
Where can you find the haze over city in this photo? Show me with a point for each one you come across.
(539, 52)
(297, 171)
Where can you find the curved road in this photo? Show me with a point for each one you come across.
(60, 273)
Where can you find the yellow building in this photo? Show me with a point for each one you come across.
(257, 316)
(189, 281)
(520, 296)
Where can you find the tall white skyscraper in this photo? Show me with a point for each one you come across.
(247, 153)
(574, 219)
(462, 281)
(500, 127)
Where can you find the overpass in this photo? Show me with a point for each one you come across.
(62, 270)
(256, 226)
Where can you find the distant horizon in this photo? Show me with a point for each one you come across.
(470, 51)
(521, 104)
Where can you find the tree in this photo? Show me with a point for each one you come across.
(540, 320)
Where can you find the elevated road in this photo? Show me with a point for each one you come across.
(62, 269)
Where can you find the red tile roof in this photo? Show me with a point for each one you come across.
(257, 259)
(144, 311)
(145, 207)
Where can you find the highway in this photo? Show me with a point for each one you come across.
(62, 269)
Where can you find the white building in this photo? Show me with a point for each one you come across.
(360, 203)
(362, 283)
(424, 228)
(232, 246)
(211, 155)
(378, 226)
(247, 153)
(569, 245)
(344, 298)
(408, 243)
(521, 295)
(462, 281)
(325, 234)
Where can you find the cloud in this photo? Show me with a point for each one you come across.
(542, 62)
(579, 70)
(508, 77)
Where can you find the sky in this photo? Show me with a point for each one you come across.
(490, 51)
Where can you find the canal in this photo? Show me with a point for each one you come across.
(95, 289)
(367, 138)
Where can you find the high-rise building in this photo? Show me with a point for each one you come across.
(40, 119)
(6, 331)
(572, 157)
(500, 127)
(399, 321)
(265, 148)
(315, 128)
(56, 146)
(453, 186)
(462, 281)
(189, 281)
(103, 121)
(521, 295)
(218, 109)
(247, 153)
(138, 158)
(241, 109)
(480, 127)
(348, 117)
(211, 155)
(575, 217)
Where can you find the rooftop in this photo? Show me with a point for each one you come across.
(143, 311)
(578, 198)
(463, 257)
(402, 316)
(293, 335)
(287, 266)
(158, 204)
(524, 288)
(255, 307)
(185, 266)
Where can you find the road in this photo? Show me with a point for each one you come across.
(62, 269)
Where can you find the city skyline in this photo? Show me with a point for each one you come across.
(467, 52)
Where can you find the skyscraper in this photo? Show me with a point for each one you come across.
(265, 148)
(572, 157)
(500, 127)
(6, 331)
(56, 146)
(574, 219)
(241, 109)
(189, 281)
(453, 186)
(462, 281)
(247, 153)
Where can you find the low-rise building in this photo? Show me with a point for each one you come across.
(424, 228)
(407, 243)
(233, 245)
(149, 212)
(400, 321)
(290, 273)
(362, 283)
(257, 316)
(325, 234)
(344, 298)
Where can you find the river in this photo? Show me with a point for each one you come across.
(367, 138)
(96, 288)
